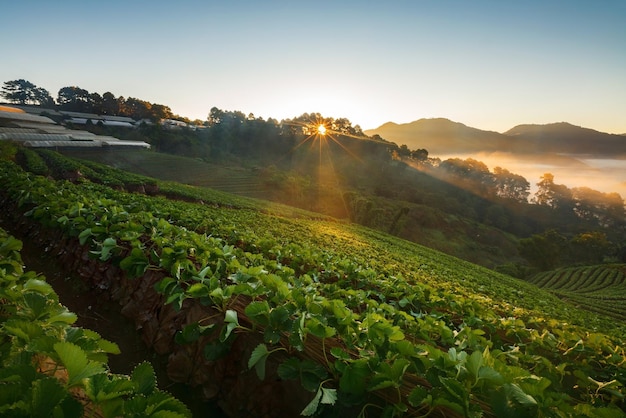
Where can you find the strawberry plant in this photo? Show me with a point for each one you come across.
(47, 364)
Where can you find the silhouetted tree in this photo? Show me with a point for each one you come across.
(420, 154)
(24, 92)
(74, 99)
(510, 186)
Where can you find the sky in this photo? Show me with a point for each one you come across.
(489, 64)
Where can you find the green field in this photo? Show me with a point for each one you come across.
(358, 318)
(599, 288)
(240, 181)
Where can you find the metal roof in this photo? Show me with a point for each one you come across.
(44, 127)
(54, 144)
(126, 143)
(25, 117)
(30, 136)
(17, 130)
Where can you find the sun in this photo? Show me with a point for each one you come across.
(321, 129)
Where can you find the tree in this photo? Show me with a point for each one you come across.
(42, 97)
(510, 186)
(24, 92)
(138, 109)
(556, 196)
(470, 174)
(159, 112)
(110, 105)
(404, 151)
(590, 247)
(607, 209)
(420, 154)
(543, 251)
(75, 99)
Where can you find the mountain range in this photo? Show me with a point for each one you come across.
(443, 136)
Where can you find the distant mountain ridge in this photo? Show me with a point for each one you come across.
(443, 136)
(564, 137)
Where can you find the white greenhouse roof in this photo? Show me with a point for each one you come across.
(25, 117)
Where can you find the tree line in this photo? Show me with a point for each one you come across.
(76, 99)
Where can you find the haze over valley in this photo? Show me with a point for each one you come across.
(577, 156)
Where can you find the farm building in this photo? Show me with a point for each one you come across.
(38, 131)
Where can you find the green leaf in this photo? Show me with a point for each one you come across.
(474, 363)
(492, 377)
(198, 290)
(75, 361)
(257, 308)
(47, 393)
(10, 244)
(165, 285)
(231, 317)
(339, 353)
(315, 327)
(329, 396)
(70, 408)
(456, 389)
(419, 395)
(25, 330)
(36, 302)
(232, 322)
(309, 372)
(144, 378)
(399, 368)
(257, 360)
(107, 247)
(102, 387)
(289, 369)
(518, 395)
(136, 264)
(312, 406)
(38, 285)
(83, 236)
(66, 317)
(354, 378)
(164, 405)
(108, 346)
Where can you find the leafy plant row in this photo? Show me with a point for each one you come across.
(60, 166)
(600, 288)
(50, 368)
(360, 313)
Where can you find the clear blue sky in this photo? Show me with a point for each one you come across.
(488, 64)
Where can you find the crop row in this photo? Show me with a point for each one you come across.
(415, 328)
(580, 278)
(600, 288)
(50, 368)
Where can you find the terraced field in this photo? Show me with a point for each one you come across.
(600, 288)
(242, 182)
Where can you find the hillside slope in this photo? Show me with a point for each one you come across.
(453, 234)
(362, 319)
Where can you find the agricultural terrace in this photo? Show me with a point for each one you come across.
(599, 288)
(367, 323)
